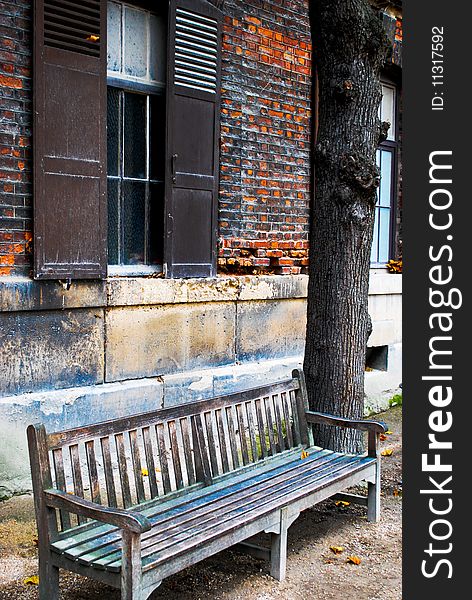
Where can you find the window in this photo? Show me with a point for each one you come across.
(136, 68)
(126, 159)
(386, 161)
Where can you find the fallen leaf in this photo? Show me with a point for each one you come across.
(388, 432)
(383, 437)
(144, 472)
(35, 542)
(337, 549)
(33, 580)
(396, 492)
(355, 560)
(304, 454)
(93, 38)
(342, 503)
(387, 452)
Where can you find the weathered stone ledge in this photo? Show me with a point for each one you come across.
(24, 294)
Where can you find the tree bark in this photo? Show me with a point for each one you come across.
(349, 48)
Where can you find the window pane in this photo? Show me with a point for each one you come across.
(114, 37)
(386, 179)
(113, 221)
(156, 223)
(387, 109)
(134, 218)
(158, 48)
(113, 131)
(375, 239)
(135, 135)
(135, 43)
(384, 234)
(158, 136)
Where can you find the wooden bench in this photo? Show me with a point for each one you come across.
(131, 501)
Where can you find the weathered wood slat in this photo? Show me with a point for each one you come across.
(150, 464)
(60, 478)
(77, 475)
(212, 447)
(108, 470)
(202, 463)
(288, 425)
(137, 466)
(123, 470)
(278, 420)
(61, 438)
(163, 458)
(184, 427)
(179, 481)
(295, 424)
(270, 425)
(251, 432)
(261, 428)
(242, 434)
(222, 440)
(93, 472)
(230, 420)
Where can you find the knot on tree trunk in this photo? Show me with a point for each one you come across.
(383, 131)
(344, 90)
(361, 173)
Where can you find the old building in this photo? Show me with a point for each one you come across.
(154, 197)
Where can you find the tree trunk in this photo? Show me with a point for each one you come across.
(349, 48)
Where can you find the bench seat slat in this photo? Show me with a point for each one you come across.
(222, 509)
(246, 515)
(215, 505)
(150, 509)
(204, 504)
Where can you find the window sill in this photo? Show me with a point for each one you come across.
(133, 270)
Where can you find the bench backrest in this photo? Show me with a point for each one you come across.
(125, 462)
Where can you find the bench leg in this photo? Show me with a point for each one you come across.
(131, 573)
(373, 498)
(48, 579)
(278, 551)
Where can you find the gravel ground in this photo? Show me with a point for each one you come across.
(313, 571)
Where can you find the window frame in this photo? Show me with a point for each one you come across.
(391, 146)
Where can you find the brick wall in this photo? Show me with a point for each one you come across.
(265, 136)
(15, 137)
(265, 126)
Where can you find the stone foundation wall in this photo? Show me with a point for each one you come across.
(101, 350)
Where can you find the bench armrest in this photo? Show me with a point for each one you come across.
(124, 519)
(360, 424)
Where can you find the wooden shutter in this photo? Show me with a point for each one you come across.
(193, 110)
(70, 139)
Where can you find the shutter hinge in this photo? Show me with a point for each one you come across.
(66, 283)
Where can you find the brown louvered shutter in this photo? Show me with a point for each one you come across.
(193, 110)
(70, 139)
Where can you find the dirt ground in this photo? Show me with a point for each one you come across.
(313, 570)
